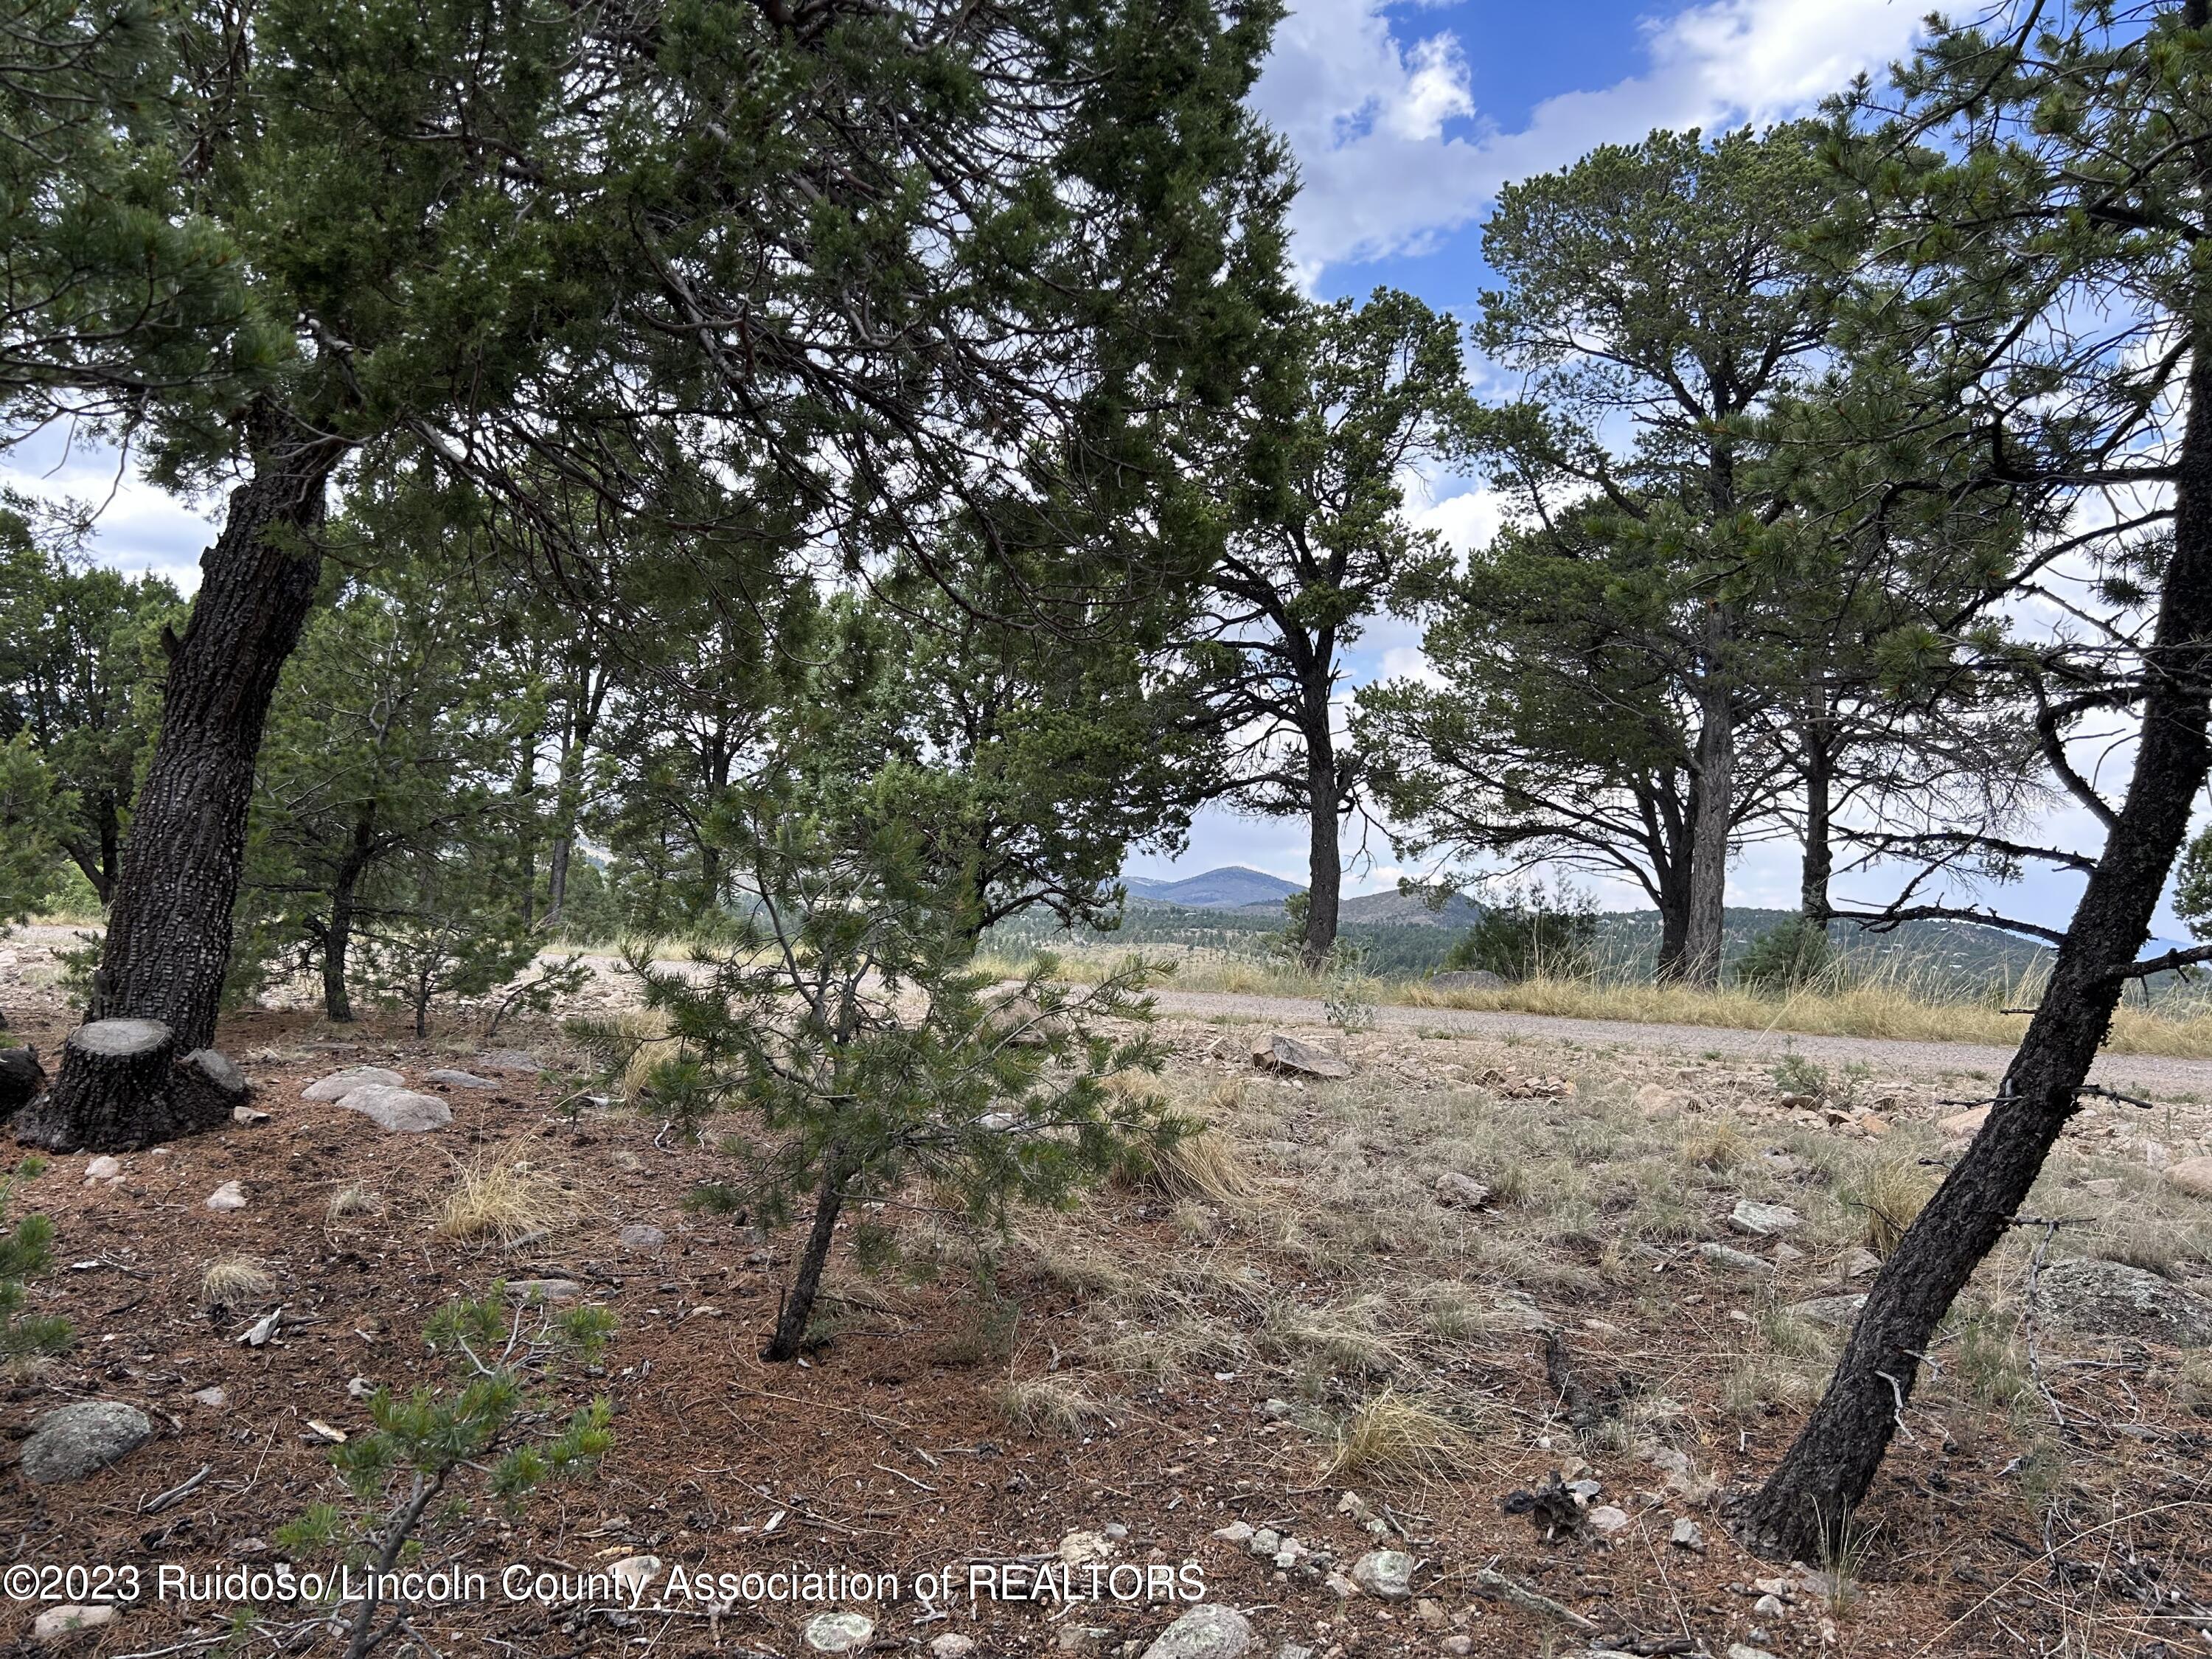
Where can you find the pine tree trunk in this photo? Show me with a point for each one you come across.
(1827, 1470)
(1819, 784)
(337, 937)
(797, 1311)
(1324, 853)
(1708, 838)
(168, 934)
(123, 1087)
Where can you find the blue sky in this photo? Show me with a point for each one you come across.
(1405, 119)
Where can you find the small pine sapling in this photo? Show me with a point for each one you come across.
(846, 1021)
(490, 1421)
(26, 1250)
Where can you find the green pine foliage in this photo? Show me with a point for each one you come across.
(1786, 958)
(25, 1251)
(1524, 933)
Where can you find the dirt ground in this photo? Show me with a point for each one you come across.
(1307, 1328)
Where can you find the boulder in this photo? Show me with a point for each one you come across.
(22, 1079)
(71, 1442)
(338, 1084)
(1209, 1630)
(838, 1632)
(1455, 1191)
(2192, 1175)
(1277, 1053)
(1964, 1126)
(1837, 1312)
(2109, 1299)
(403, 1111)
(1470, 979)
(1756, 1220)
(1386, 1573)
(507, 1062)
(453, 1079)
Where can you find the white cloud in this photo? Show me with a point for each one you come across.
(1366, 115)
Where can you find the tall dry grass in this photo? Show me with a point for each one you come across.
(1887, 997)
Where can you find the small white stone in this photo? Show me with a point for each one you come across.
(104, 1168)
(838, 1632)
(55, 1623)
(1687, 1534)
(229, 1196)
(952, 1645)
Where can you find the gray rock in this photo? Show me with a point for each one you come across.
(403, 1111)
(1727, 1255)
(1455, 1191)
(104, 1168)
(219, 1070)
(2107, 1298)
(453, 1079)
(838, 1632)
(55, 1623)
(1236, 1532)
(1687, 1534)
(229, 1196)
(1607, 1518)
(1472, 979)
(248, 1117)
(1209, 1630)
(1756, 1220)
(338, 1084)
(1745, 1650)
(543, 1290)
(1859, 1262)
(638, 1236)
(1837, 1312)
(952, 1645)
(508, 1062)
(1277, 1053)
(1292, 1650)
(1386, 1573)
(71, 1442)
(212, 1397)
(1264, 1542)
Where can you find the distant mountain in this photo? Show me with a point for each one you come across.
(1224, 889)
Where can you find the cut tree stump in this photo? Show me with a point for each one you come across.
(22, 1079)
(123, 1087)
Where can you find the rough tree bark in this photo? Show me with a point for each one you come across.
(168, 933)
(1711, 821)
(798, 1309)
(1324, 852)
(1825, 1473)
(1820, 786)
(123, 1085)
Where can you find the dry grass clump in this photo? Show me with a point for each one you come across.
(1058, 1404)
(1203, 1168)
(1888, 1193)
(235, 1281)
(1717, 1144)
(1391, 1435)
(503, 1203)
(355, 1198)
(640, 1038)
(1348, 1337)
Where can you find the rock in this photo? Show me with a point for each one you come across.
(1836, 1312)
(1687, 1534)
(1608, 1519)
(633, 1571)
(1785, 1255)
(1964, 1126)
(1756, 1220)
(210, 1397)
(2192, 1175)
(1340, 1587)
(403, 1111)
(1654, 1097)
(1082, 1639)
(1727, 1255)
(55, 1623)
(1859, 1262)
(1264, 1542)
(838, 1632)
(543, 1290)
(641, 1236)
(2107, 1298)
(1277, 1053)
(1275, 1410)
(229, 1196)
(1745, 1650)
(1430, 1611)
(104, 1168)
(1078, 1548)
(508, 1062)
(1236, 1532)
(453, 1079)
(2104, 1187)
(22, 1079)
(219, 1072)
(338, 1084)
(1209, 1630)
(1386, 1573)
(71, 1442)
(248, 1117)
(1455, 1191)
(1469, 979)
(1770, 1607)
(952, 1645)
(1292, 1650)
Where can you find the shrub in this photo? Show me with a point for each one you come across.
(1526, 934)
(1785, 959)
(24, 1252)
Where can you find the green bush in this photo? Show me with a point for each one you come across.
(25, 1251)
(1785, 959)
(1525, 935)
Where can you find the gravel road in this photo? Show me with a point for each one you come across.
(2136, 1073)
